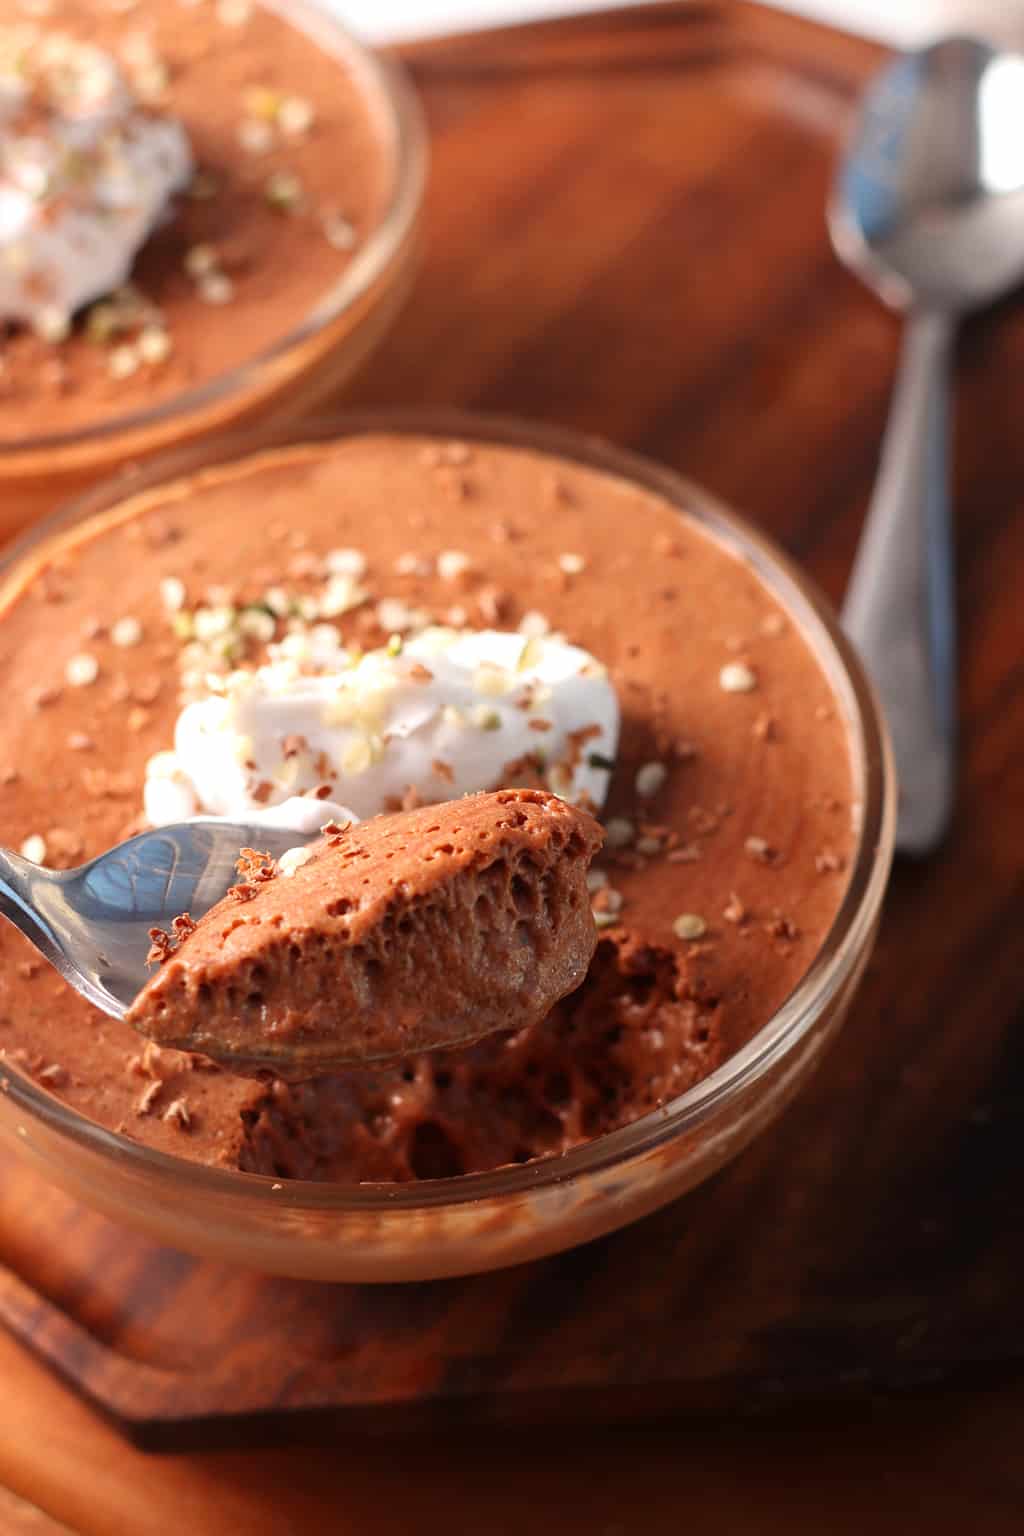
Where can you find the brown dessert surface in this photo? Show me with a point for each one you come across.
(282, 223)
(409, 932)
(730, 819)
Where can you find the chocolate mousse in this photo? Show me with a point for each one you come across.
(409, 932)
(724, 780)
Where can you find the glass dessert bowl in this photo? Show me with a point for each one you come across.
(522, 1206)
(273, 275)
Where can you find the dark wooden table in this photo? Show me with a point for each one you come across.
(625, 235)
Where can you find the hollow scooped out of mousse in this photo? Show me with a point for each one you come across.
(409, 932)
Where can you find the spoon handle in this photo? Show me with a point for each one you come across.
(900, 604)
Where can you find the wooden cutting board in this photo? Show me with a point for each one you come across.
(625, 235)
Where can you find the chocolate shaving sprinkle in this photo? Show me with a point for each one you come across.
(255, 866)
(334, 828)
(161, 948)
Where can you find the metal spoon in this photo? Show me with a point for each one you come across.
(928, 208)
(93, 922)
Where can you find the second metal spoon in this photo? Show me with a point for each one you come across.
(928, 208)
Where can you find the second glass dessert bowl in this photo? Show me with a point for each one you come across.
(313, 353)
(478, 1221)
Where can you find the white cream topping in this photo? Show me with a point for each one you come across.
(445, 714)
(85, 176)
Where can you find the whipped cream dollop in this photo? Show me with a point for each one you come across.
(86, 174)
(445, 714)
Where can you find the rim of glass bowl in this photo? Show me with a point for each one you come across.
(387, 88)
(834, 963)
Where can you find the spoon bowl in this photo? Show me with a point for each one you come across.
(92, 923)
(928, 205)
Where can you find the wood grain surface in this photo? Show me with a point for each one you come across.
(948, 1465)
(625, 234)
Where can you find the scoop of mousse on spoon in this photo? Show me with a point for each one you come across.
(408, 932)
